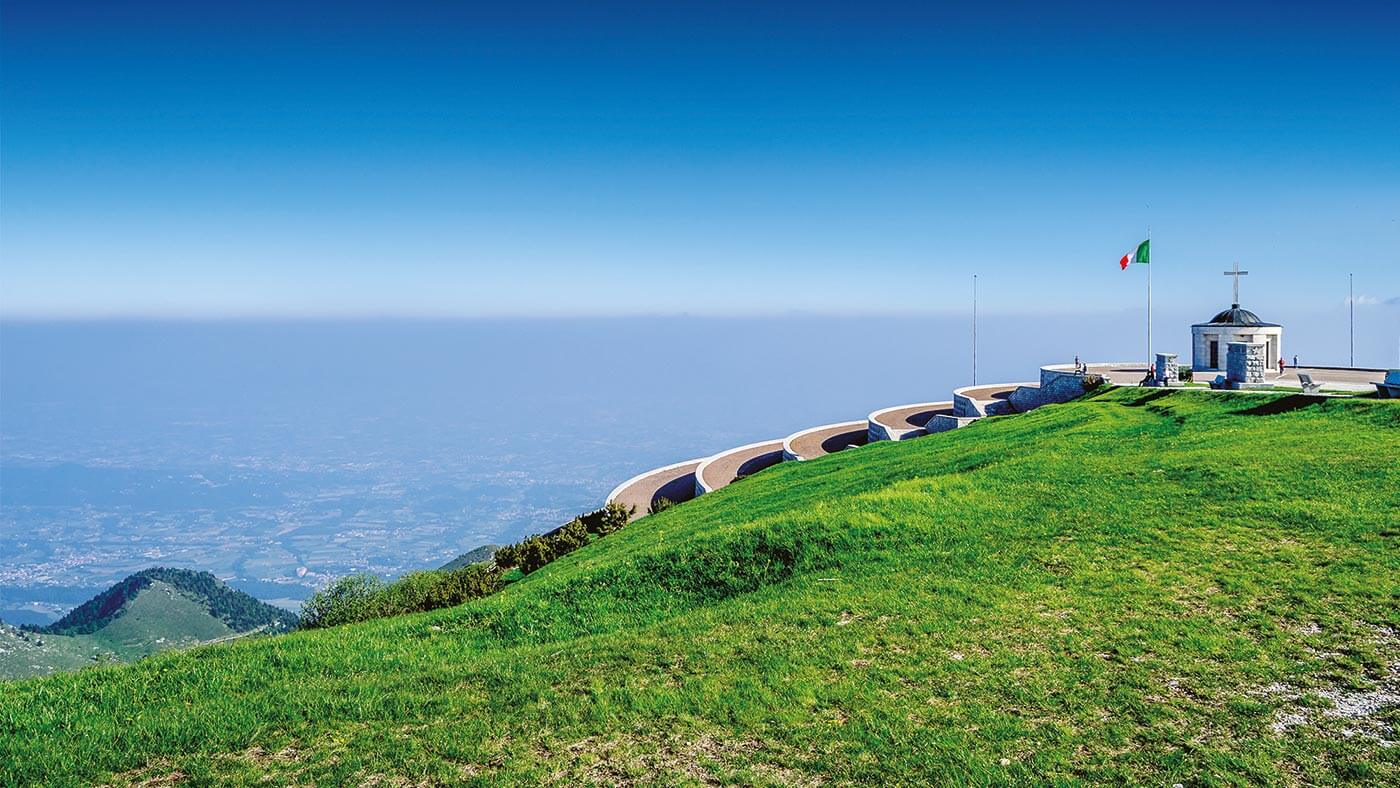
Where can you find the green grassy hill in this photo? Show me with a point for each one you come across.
(153, 610)
(1140, 587)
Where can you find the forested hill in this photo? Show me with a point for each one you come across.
(239, 611)
(474, 556)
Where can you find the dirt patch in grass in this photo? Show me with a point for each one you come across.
(636, 759)
(153, 775)
(1355, 711)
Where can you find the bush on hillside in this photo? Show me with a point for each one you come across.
(1185, 373)
(1093, 381)
(569, 538)
(419, 591)
(535, 552)
(362, 597)
(345, 600)
(508, 556)
(609, 519)
(660, 505)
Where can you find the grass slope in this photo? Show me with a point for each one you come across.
(1138, 587)
(25, 653)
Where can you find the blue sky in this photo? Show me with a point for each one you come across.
(440, 159)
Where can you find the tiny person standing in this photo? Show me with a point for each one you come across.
(1281, 365)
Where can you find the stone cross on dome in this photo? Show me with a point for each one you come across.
(1237, 273)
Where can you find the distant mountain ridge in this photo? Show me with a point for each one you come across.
(239, 611)
(475, 555)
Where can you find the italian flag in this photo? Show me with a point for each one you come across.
(1143, 254)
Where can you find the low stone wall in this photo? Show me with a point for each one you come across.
(982, 400)
(1055, 386)
(879, 431)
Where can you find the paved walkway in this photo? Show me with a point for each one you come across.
(1339, 379)
(1359, 380)
(722, 469)
(811, 444)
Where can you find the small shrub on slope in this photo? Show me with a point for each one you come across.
(609, 519)
(344, 601)
(362, 597)
(508, 556)
(535, 552)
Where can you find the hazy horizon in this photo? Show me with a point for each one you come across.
(277, 454)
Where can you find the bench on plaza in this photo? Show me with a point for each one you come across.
(1309, 387)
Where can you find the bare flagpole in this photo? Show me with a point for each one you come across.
(1351, 318)
(974, 329)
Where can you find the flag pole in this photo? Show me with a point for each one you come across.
(1351, 319)
(1149, 297)
(974, 329)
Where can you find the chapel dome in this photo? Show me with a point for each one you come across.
(1236, 316)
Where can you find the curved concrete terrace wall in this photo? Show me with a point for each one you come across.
(985, 400)
(903, 421)
(685, 480)
(826, 439)
(723, 468)
(675, 482)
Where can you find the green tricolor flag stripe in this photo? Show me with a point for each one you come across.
(1144, 252)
